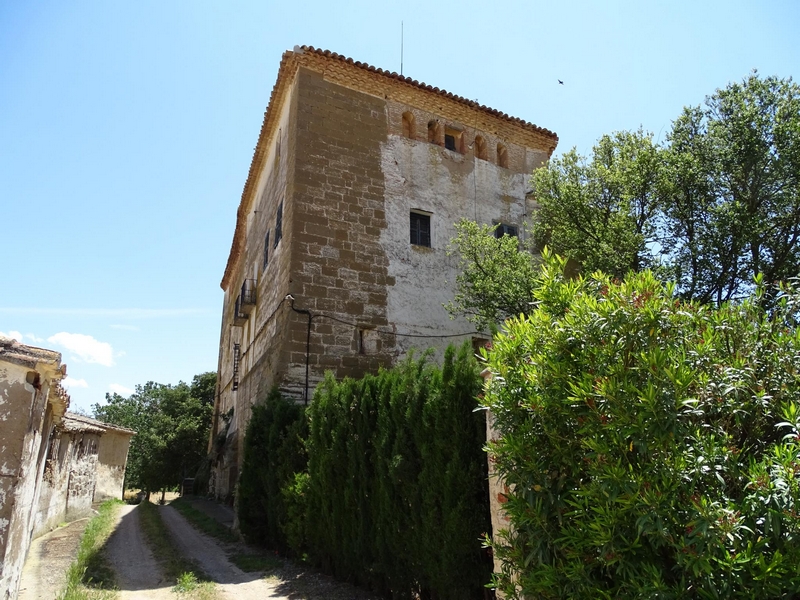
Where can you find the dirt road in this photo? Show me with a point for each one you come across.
(140, 577)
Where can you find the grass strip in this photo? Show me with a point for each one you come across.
(189, 578)
(90, 577)
(255, 561)
(250, 561)
(203, 522)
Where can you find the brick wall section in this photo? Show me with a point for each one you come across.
(339, 267)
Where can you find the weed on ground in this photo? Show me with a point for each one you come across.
(203, 522)
(90, 577)
(189, 578)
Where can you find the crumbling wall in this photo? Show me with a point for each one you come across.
(52, 505)
(111, 460)
(30, 403)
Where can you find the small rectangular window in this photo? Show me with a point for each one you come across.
(420, 229)
(452, 140)
(278, 225)
(266, 249)
(504, 229)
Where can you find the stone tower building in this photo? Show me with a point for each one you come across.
(338, 260)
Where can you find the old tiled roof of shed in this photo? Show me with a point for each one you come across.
(82, 423)
(28, 356)
(290, 61)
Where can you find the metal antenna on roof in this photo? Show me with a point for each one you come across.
(401, 47)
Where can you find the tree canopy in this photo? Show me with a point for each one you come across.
(715, 204)
(172, 424)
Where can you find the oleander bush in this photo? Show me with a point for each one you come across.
(649, 445)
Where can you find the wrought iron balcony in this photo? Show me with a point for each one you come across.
(239, 315)
(248, 295)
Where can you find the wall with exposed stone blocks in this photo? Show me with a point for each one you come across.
(348, 179)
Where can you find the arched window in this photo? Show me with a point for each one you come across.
(435, 133)
(502, 156)
(480, 148)
(408, 126)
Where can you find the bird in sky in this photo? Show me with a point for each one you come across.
(560, 82)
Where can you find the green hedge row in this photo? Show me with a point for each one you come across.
(274, 451)
(394, 496)
(650, 446)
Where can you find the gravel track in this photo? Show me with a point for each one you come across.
(138, 574)
(140, 577)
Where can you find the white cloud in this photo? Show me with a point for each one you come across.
(14, 335)
(34, 338)
(70, 382)
(85, 348)
(116, 388)
(125, 327)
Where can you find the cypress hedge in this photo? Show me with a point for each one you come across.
(394, 496)
(274, 452)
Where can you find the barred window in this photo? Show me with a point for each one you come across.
(420, 229)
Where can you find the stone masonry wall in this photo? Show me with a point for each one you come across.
(339, 267)
(82, 476)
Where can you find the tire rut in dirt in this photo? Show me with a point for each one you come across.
(201, 549)
(127, 551)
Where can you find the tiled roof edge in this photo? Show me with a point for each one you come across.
(237, 244)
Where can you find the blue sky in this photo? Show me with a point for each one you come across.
(127, 131)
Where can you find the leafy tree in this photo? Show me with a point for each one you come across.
(602, 212)
(733, 206)
(711, 208)
(172, 425)
(649, 445)
(496, 280)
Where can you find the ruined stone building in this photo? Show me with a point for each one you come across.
(53, 464)
(85, 464)
(339, 260)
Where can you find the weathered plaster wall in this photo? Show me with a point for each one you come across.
(112, 458)
(26, 375)
(82, 475)
(450, 186)
(52, 505)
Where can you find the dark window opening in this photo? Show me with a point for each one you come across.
(266, 250)
(420, 229)
(361, 349)
(503, 229)
(452, 139)
(278, 225)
